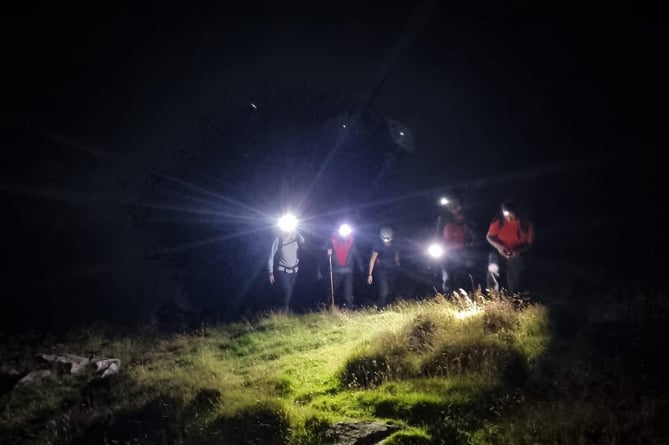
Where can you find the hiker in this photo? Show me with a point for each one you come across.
(383, 264)
(285, 248)
(511, 233)
(343, 255)
(457, 266)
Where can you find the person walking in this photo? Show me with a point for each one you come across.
(344, 257)
(511, 233)
(284, 257)
(457, 267)
(383, 265)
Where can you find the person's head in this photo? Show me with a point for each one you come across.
(509, 211)
(386, 234)
(454, 205)
(451, 202)
(288, 223)
(343, 231)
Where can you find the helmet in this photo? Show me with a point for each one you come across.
(386, 233)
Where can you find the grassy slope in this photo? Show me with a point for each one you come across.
(508, 374)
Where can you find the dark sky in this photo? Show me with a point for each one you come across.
(561, 107)
(480, 88)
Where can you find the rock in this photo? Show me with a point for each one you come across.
(360, 433)
(34, 376)
(75, 363)
(108, 366)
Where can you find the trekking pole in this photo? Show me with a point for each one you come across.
(331, 281)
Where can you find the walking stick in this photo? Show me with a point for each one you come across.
(331, 281)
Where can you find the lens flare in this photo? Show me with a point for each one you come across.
(288, 222)
(345, 230)
(435, 250)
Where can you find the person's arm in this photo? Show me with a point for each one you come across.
(494, 240)
(372, 261)
(323, 246)
(329, 252)
(497, 244)
(270, 262)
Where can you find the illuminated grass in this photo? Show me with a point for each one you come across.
(286, 378)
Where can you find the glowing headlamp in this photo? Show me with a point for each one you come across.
(345, 230)
(506, 212)
(435, 250)
(386, 234)
(443, 201)
(288, 223)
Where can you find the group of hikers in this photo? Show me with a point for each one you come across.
(510, 235)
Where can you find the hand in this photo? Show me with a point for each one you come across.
(271, 278)
(510, 253)
(370, 279)
(329, 252)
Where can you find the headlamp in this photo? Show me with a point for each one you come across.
(345, 230)
(288, 223)
(435, 250)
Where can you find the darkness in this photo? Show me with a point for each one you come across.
(148, 148)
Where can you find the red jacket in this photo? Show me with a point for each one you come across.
(457, 234)
(510, 233)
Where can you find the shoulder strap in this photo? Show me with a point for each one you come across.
(289, 242)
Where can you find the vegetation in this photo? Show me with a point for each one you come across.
(509, 372)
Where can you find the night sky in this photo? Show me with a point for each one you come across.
(147, 146)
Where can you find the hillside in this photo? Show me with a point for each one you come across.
(421, 372)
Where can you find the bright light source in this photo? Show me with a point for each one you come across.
(254, 106)
(345, 230)
(506, 212)
(343, 125)
(443, 201)
(401, 133)
(435, 250)
(386, 234)
(288, 222)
